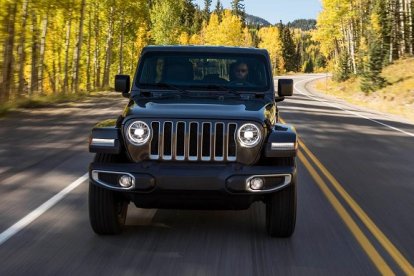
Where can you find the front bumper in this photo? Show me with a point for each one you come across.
(191, 186)
(152, 177)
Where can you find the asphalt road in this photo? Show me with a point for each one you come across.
(355, 202)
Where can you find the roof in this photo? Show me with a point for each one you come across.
(204, 49)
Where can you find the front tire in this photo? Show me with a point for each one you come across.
(107, 209)
(281, 212)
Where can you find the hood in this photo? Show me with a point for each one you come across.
(226, 109)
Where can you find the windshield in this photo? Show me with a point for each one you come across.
(200, 71)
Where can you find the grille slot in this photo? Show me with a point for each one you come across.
(206, 142)
(193, 141)
(219, 142)
(180, 141)
(167, 141)
(231, 136)
(155, 140)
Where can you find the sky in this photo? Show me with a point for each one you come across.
(276, 10)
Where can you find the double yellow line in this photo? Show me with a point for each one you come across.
(362, 239)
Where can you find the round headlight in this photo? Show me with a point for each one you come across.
(138, 133)
(249, 135)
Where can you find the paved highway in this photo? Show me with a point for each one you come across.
(355, 201)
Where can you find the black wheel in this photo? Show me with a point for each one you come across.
(107, 209)
(281, 212)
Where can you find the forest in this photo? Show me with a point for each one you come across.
(360, 37)
(50, 47)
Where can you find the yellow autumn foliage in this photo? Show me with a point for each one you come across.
(228, 32)
(269, 40)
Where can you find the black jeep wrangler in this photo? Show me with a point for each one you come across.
(201, 131)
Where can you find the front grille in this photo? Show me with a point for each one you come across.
(193, 141)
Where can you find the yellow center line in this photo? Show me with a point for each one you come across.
(372, 253)
(396, 255)
(376, 232)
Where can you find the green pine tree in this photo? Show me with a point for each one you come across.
(288, 50)
(238, 9)
(206, 10)
(188, 11)
(219, 10)
(320, 61)
(380, 8)
(298, 56)
(198, 21)
(371, 78)
(308, 66)
(343, 70)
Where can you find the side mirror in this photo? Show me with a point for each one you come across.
(285, 87)
(122, 83)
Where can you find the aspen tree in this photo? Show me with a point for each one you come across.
(8, 60)
(21, 50)
(78, 49)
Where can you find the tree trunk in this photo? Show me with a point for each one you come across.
(53, 77)
(88, 57)
(34, 83)
(8, 61)
(352, 47)
(412, 24)
(393, 39)
(67, 46)
(58, 66)
(409, 17)
(42, 52)
(132, 57)
(402, 49)
(58, 69)
(78, 50)
(21, 51)
(397, 29)
(97, 49)
(53, 80)
(108, 51)
(337, 49)
(121, 47)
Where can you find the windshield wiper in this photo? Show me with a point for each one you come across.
(243, 94)
(151, 94)
(223, 88)
(168, 85)
(148, 92)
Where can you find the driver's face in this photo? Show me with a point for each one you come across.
(241, 71)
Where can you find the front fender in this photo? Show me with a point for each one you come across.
(282, 142)
(105, 138)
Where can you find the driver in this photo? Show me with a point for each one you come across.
(240, 72)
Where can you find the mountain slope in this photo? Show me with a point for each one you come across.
(256, 21)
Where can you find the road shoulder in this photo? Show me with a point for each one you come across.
(357, 105)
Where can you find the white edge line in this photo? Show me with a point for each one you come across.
(21, 224)
(351, 112)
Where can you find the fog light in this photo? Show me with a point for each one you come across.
(126, 181)
(256, 183)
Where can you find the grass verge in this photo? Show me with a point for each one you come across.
(41, 102)
(397, 98)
